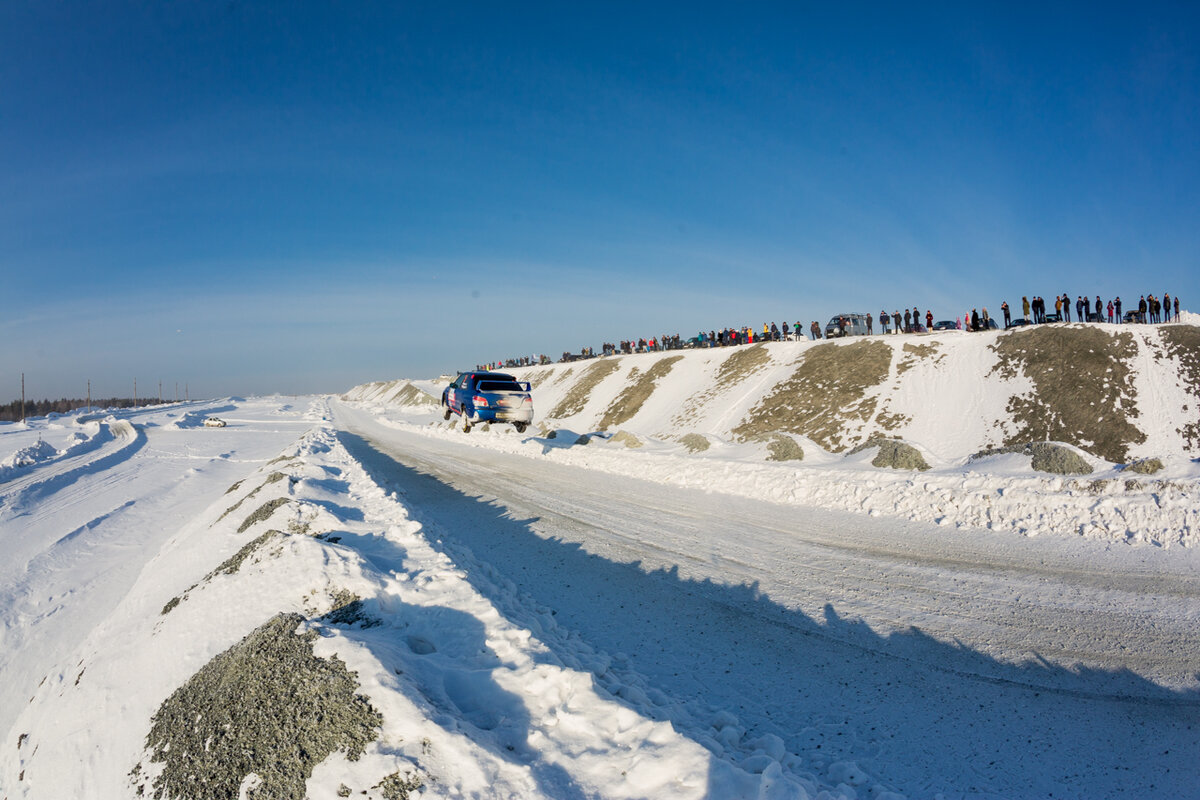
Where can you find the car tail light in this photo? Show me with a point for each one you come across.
(528, 400)
(480, 400)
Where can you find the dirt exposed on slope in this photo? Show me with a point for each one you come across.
(630, 401)
(578, 396)
(412, 396)
(825, 397)
(266, 706)
(740, 365)
(1083, 388)
(1183, 343)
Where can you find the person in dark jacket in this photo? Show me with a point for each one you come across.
(883, 321)
(974, 319)
(907, 321)
(896, 319)
(1176, 299)
(869, 323)
(815, 330)
(1007, 315)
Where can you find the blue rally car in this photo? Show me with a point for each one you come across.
(488, 397)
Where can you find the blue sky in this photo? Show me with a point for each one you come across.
(250, 197)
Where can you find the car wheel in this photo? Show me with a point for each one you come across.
(447, 414)
(466, 422)
(520, 426)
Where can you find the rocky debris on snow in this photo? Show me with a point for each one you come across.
(1146, 466)
(351, 614)
(262, 513)
(630, 400)
(1047, 457)
(578, 396)
(397, 786)
(1083, 388)
(781, 447)
(893, 454)
(827, 394)
(628, 439)
(267, 707)
(695, 442)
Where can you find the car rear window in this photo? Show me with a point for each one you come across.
(500, 386)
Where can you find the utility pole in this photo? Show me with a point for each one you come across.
(186, 394)
(22, 397)
(176, 391)
(89, 395)
(135, 392)
(160, 393)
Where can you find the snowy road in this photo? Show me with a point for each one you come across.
(940, 661)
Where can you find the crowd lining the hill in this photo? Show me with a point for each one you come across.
(1150, 310)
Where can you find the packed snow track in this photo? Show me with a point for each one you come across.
(943, 662)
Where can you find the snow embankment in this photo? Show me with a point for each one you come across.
(947, 427)
(308, 565)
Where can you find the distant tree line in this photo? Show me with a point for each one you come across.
(42, 408)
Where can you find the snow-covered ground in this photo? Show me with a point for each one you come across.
(536, 617)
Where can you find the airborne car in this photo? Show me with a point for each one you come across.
(488, 397)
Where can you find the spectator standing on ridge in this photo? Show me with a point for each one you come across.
(1005, 312)
(1142, 308)
(907, 321)
(984, 319)
(785, 333)
(1025, 307)
(916, 319)
(1176, 308)
(883, 321)
(896, 319)
(974, 319)
(1117, 307)
(1099, 313)
(869, 331)
(1066, 309)
(1110, 312)
(1079, 307)
(928, 320)
(1059, 302)
(815, 330)
(1167, 306)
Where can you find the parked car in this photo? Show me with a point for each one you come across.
(214, 422)
(1054, 316)
(488, 397)
(846, 325)
(945, 325)
(1133, 316)
(1019, 322)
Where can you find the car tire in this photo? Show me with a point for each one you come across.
(520, 426)
(447, 414)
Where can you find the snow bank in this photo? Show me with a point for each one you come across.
(465, 697)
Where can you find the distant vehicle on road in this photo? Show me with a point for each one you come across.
(214, 422)
(488, 397)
